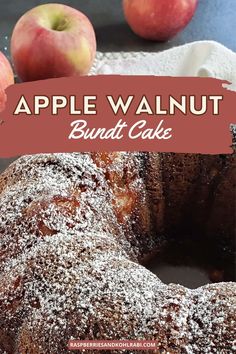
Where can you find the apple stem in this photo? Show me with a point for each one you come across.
(60, 24)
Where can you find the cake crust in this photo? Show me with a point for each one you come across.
(74, 231)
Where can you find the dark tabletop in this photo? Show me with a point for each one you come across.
(214, 20)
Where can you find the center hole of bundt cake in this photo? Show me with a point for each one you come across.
(190, 277)
(190, 264)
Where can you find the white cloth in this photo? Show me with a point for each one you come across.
(203, 59)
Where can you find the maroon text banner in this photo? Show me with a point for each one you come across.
(118, 113)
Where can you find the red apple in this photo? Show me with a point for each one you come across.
(3, 98)
(6, 78)
(52, 40)
(6, 73)
(158, 19)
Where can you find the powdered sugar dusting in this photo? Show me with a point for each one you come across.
(69, 263)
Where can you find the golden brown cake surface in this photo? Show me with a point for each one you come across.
(73, 231)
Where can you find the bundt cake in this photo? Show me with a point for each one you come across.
(75, 233)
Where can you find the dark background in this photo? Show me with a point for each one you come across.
(214, 19)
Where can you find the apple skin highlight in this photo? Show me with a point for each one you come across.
(51, 41)
(158, 20)
(6, 72)
(6, 78)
